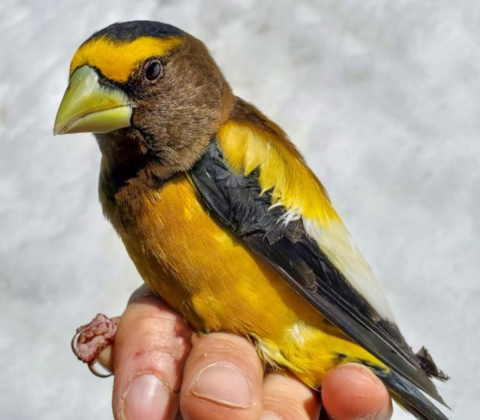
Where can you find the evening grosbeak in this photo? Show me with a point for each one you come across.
(223, 218)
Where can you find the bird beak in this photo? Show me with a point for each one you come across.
(88, 107)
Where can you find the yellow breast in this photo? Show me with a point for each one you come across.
(209, 276)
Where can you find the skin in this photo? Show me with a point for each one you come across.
(161, 366)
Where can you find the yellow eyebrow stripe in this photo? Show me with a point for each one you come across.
(117, 60)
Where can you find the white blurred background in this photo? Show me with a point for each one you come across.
(382, 97)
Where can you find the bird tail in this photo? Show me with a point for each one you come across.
(409, 397)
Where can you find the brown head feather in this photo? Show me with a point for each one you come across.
(173, 118)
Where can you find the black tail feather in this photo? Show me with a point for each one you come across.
(428, 365)
(409, 397)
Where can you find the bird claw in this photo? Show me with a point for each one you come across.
(93, 338)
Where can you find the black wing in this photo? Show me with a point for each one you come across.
(236, 200)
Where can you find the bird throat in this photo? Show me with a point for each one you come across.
(127, 155)
(130, 152)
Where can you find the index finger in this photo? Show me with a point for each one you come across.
(151, 345)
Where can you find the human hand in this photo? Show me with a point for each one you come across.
(160, 365)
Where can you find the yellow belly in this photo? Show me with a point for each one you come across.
(217, 284)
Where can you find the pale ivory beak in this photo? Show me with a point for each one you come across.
(88, 107)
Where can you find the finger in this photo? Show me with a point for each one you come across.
(286, 398)
(151, 346)
(352, 391)
(222, 379)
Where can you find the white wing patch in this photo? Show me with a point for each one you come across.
(288, 216)
(336, 243)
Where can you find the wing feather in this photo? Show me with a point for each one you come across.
(257, 184)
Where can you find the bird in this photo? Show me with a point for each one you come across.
(223, 218)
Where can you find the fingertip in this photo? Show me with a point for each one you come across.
(222, 379)
(151, 345)
(353, 391)
(286, 397)
(144, 301)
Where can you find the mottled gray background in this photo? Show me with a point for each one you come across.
(382, 97)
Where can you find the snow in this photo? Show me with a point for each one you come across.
(383, 99)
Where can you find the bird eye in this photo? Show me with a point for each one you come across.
(153, 70)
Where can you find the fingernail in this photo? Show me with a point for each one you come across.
(270, 416)
(147, 398)
(362, 376)
(224, 384)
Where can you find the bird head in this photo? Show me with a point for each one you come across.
(150, 82)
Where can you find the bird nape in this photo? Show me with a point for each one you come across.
(223, 218)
